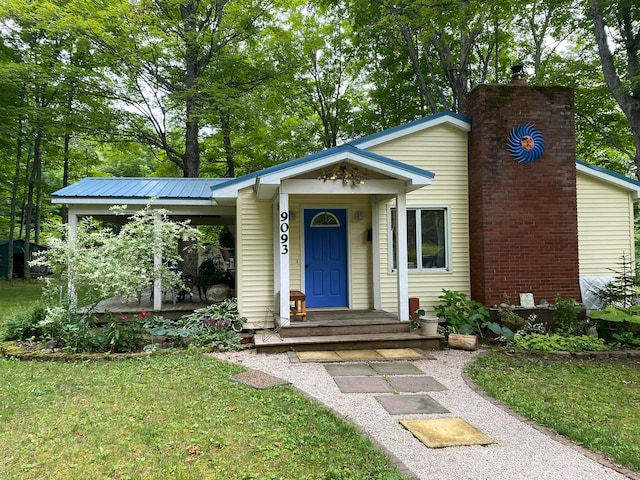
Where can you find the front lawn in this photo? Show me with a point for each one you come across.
(595, 404)
(17, 294)
(169, 416)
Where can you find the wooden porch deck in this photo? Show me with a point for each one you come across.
(344, 330)
(131, 306)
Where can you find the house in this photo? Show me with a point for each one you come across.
(493, 204)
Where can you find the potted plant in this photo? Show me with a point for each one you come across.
(428, 325)
(465, 319)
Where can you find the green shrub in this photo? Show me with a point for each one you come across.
(462, 314)
(556, 343)
(216, 326)
(24, 325)
(122, 335)
(510, 319)
(565, 318)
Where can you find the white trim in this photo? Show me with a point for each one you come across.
(369, 187)
(419, 126)
(401, 252)
(619, 182)
(132, 201)
(341, 156)
(419, 269)
(284, 255)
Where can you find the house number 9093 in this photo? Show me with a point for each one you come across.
(284, 235)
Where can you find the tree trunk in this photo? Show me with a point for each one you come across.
(415, 63)
(35, 169)
(225, 127)
(14, 194)
(629, 103)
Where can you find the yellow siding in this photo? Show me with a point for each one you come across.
(443, 151)
(605, 220)
(254, 268)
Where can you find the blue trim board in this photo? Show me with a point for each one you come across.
(611, 173)
(419, 121)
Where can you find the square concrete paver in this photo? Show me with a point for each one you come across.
(396, 368)
(362, 385)
(349, 369)
(410, 404)
(359, 355)
(396, 353)
(319, 356)
(445, 432)
(415, 384)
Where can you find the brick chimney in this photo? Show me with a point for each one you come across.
(523, 218)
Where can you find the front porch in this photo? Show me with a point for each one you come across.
(344, 330)
(132, 306)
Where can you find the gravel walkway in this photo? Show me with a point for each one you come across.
(520, 452)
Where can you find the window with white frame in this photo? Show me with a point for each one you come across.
(427, 238)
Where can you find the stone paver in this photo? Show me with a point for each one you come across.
(410, 404)
(350, 370)
(319, 356)
(359, 355)
(395, 353)
(395, 368)
(445, 432)
(415, 384)
(362, 385)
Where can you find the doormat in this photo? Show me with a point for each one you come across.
(258, 379)
(445, 432)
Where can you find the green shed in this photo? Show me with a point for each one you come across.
(18, 257)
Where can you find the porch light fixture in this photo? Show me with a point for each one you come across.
(347, 173)
(359, 216)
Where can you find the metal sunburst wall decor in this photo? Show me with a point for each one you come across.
(526, 143)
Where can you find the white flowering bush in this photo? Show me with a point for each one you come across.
(101, 262)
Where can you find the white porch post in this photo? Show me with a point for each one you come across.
(281, 243)
(401, 260)
(375, 253)
(157, 264)
(72, 224)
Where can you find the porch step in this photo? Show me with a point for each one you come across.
(328, 328)
(270, 342)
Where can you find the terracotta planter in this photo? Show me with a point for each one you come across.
(429, 326)
(463, 342)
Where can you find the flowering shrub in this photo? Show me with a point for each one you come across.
(108, 264)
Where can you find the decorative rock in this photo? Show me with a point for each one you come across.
(218, 293)
(618, 354)
(600, 355)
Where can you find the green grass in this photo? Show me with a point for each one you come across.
(595, 404)
(18, 294)
(173, 416)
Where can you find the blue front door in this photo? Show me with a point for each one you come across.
(325, 253)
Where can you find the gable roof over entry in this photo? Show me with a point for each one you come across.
(266, 182)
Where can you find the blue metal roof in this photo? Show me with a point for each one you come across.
(141, 188)
(606, 171)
